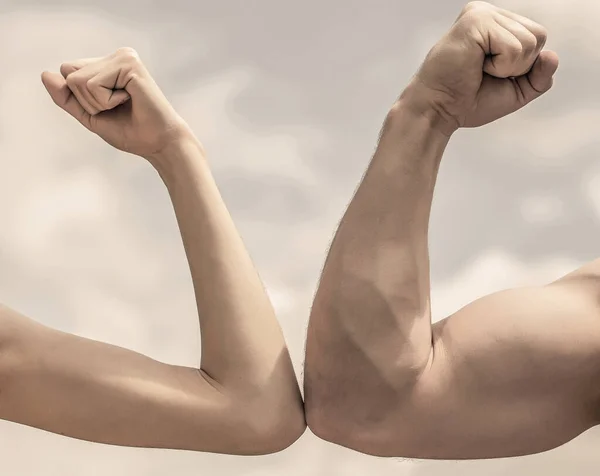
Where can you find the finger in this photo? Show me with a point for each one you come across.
(504, 52)
(77, 79)
(541, 76)
(529, 44)
(105, 90)
(76, 83)
(69, 67)
(535, 28)
(62, 96)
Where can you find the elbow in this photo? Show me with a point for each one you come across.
(330, 418)
(274, 431)
(284, 434)
(345, 432)
(381, 439)
(321, 425)
(374, 421)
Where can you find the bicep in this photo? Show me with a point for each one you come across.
(526, 336)
(514, 372)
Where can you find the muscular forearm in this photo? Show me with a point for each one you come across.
(370, 330)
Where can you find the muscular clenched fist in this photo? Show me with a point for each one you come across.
(488, 65)
(116, 98)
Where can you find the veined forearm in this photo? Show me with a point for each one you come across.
(380, 254)
(371, 313)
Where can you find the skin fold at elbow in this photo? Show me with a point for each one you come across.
(270, 432)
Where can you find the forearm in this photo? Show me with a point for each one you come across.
(243, 348)
(370, 322)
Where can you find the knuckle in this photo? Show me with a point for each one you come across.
(91, 83)
(540, 33)
(128, 53)
(530, 44)
(66, 69)
(72, 79)
(472, 17)
(514, 50)
(474, 5)
(469, 25)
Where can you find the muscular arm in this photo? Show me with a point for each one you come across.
(244, 399)
(512, 373)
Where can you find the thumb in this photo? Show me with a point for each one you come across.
(56, 85)
(540, 76)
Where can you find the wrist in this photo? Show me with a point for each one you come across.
(178, 152)
(182, 163)
(412, 142)
(417, 101)
(412, 125)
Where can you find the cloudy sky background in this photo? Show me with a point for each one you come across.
(288, 98)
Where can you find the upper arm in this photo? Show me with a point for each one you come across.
(91, 390)
(522, 336)
(515, 372)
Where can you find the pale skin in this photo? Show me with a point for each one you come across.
(243, 398)
(510, 374)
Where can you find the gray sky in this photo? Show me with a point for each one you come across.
(288, 98)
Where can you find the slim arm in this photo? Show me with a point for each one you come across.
(244, 399)
(510, 374)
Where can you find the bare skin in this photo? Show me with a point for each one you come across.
(244, 397)
(510, 374)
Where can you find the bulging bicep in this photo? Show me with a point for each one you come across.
(513, 373)
(535, 339)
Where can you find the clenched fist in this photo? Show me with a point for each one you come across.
(116, 98)
(488, 65)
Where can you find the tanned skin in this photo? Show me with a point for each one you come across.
(244, 397)
(513, 373)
